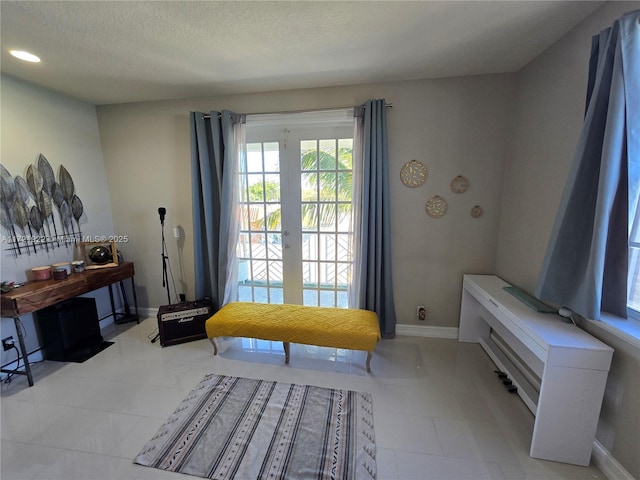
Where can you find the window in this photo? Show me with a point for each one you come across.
(296, 185)
(633, 279)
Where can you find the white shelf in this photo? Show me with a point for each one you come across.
(572, 366)
(525, 389)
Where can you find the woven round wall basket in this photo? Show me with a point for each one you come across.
(459, 184)
(436, 206)
(413, 174)
(477, 211)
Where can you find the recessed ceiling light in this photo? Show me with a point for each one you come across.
(26, 56)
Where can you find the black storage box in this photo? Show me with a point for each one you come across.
(70, 330)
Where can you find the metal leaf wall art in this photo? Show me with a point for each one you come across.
(48, 178)
(32, 208)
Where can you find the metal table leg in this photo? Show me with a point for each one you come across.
(113, 305)
(23, 349)
(135, 299)
(127, 316)
(23, 352)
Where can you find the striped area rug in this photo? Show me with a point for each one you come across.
(231, 427)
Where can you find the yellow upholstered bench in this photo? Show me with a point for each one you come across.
(321, 326)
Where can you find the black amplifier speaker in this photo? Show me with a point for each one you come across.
(183, 322)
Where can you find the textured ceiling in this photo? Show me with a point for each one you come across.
(114, 52)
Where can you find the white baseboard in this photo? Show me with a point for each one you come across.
(141, 312)
(426, 331)
(147, 312)
(607, 464)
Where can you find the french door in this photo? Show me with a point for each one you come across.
(295, 240)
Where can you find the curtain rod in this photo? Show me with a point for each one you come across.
(387, 105)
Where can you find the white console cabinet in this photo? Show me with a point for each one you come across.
(565, 371)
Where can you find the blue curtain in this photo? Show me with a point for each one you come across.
(213, 152)
(373, 260)
(585, 267)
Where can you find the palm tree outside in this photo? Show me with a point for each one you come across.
(318, 170)
(325, 201)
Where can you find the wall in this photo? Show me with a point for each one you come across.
(455, 126)
(549, 102)
(65, 131)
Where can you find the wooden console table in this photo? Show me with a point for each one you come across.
(563, 384)
(34, 296)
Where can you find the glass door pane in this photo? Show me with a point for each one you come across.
(259, 249)
(325, 210)
(295, 241)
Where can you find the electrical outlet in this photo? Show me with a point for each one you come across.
(7, 343)
(421, 312)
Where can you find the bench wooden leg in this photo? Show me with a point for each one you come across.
(286, 352)
(369, 355)
(215, 347)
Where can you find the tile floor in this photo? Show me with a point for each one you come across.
(439, 410)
